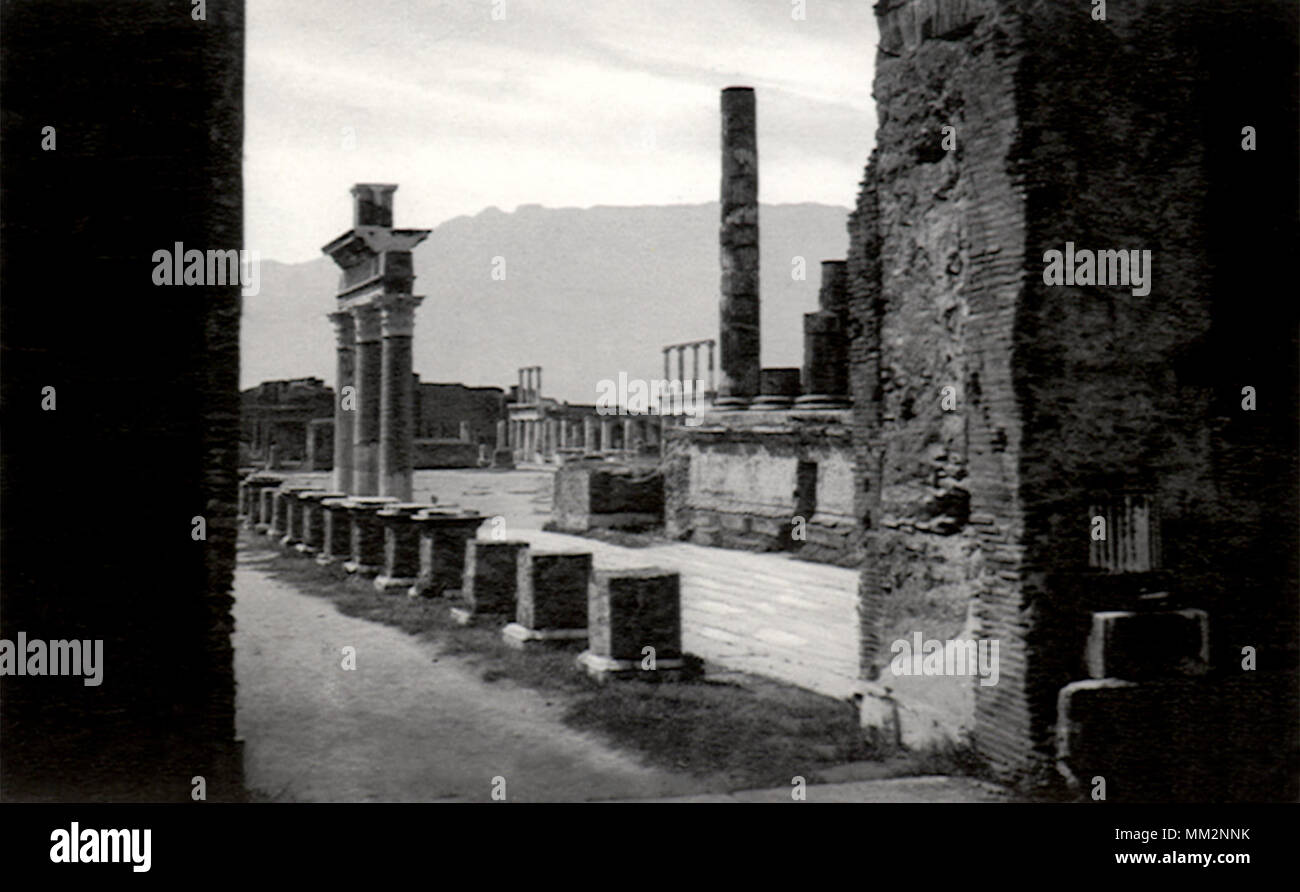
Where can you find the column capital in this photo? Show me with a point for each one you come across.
(367, 323)
(398, 314)
(345, 328)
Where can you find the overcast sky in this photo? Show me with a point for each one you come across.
(563, 103)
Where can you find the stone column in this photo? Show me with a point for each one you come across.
(738, 382)
(538, 370)
(345, 330)
(396, 416)
(502, 442)
(369, 375)
(825, 343)
(589, 434)
(606, 434)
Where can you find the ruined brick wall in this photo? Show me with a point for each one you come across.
(148, 108)
(1117, 134)
(440, 408)
(934, 266)
(1131, 138)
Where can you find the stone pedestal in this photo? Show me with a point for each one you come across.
(1140, 645)
(552, 600)
(627, 612)
(401, 546)
(266, 508)
(256, 489)
(336, 531)
(367, 534)
(443, 538)
(293, 514)
(491, 580)
(313, 519)
(503, 458)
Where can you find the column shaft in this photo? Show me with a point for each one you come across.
(344, 402)
(369, 377)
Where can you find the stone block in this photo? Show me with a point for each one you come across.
(590, 495)
(1137, 645)
(444, 534)
(629, 610)
(491, 579)
(401, 546)
(552, 590)
(313, 519)
(367, 555)
(336, 531)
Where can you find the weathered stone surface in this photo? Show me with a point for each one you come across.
(492, 575)
(336, 531)
(629, 610)
(444, 534)
(401, 546)
(1139, 645)
(313, 519)
(552, 590)
(589, 496)
(367, 555)
(738, 358)
(1174, 740)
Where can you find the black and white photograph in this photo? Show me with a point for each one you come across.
(418, 404)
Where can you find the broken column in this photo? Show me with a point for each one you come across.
(634, 619)
(552, 599)
(401, 546)
(313, 519)
(738, 381)
(825, 343)
(367, 556)
(491, 580)
(443, 538)
(336, 532)
(777, 390)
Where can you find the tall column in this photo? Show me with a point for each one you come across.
(606, 434)
(589, 434)
(345, 329)
(368, 376)
(712, 385)
(397, 416)
(695, 362)
(738, 382)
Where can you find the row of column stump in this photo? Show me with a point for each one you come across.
(629, 620)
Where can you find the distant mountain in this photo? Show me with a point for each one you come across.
(587, 294)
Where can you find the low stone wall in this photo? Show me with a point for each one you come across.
(763, 481)
(591, 495)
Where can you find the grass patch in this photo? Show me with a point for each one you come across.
(733, 731)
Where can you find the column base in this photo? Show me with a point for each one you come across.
(604, 668)
(731, 402)
(466, 616)
(522, 638)
(771, 403)
(363, 569)
(822, 401)
(304, 548)
(386, 584)
(327, 559)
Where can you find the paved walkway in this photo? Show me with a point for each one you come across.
(408, 724)
(762, 613)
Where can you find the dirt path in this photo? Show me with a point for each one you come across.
(407, 724)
